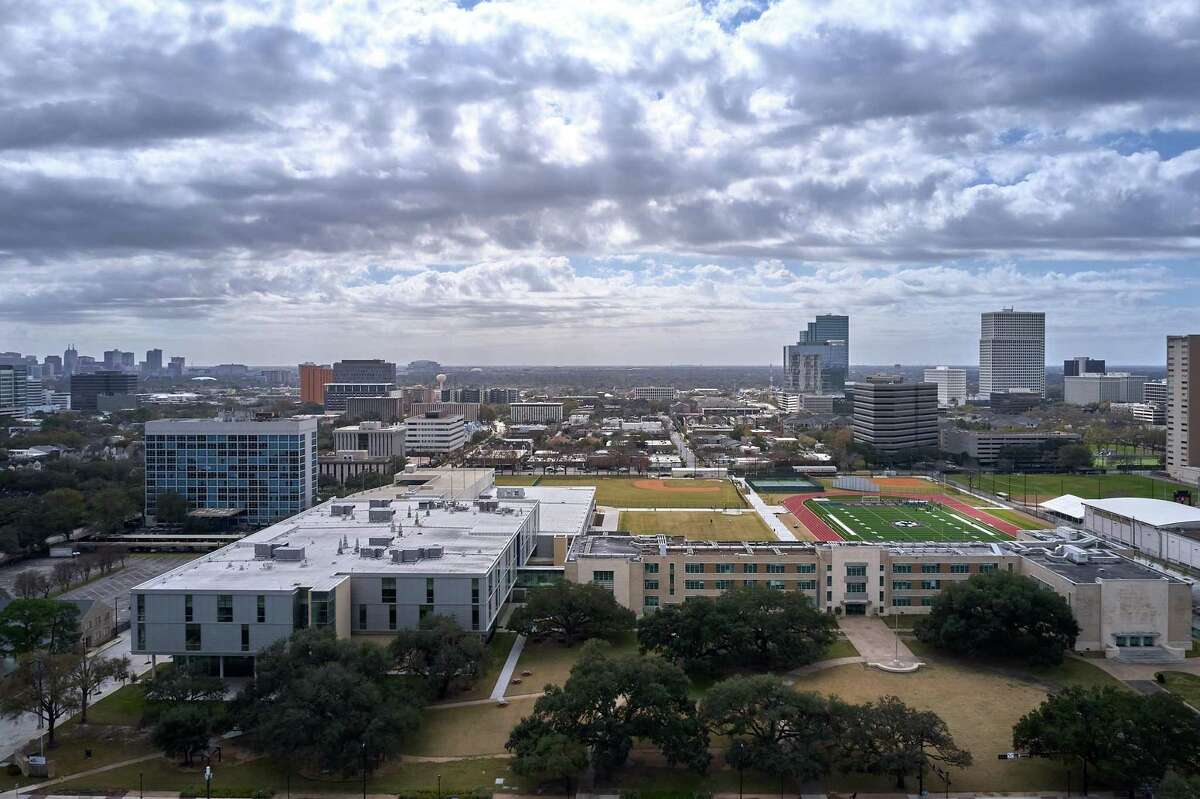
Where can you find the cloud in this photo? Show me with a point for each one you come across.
(189, 159)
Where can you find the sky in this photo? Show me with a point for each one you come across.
(551, 182)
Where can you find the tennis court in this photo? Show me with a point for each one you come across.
(901, 520)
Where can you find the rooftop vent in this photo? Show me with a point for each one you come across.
(379, 503)
(377, 515)
(410, 555)
(341, 509)
(434, 552)
(379, 540)
(289, 553)
(370, 552)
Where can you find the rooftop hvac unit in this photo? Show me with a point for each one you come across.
(379, 503)
(263, 551)
(410, 555)
(383, 515)
(289, 553)
(379, 540)
(487, 505)
(370, 552)
(341, 509)
(434, 552)
(510, 492)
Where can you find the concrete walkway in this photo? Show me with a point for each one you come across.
(28, 789)
(874, 640)
(777, 527)
(510, 666)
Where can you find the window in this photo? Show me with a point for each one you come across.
(806, 568)
(806, 585)
(141, 636)
(391, 617)
(930, 568)
(362, 617)
(224, 607)
(650, 568)
(191, 637)
(245, 637)
(260, 603)
(671, 581)
(604, 579)
(723, 585)
(901, 602)
(828, 581)
(901, 585)
(828, 596)
(988, 568)
(960, 568)
(475, 590)
(901, 568)
(693, 585)
(776, 584)
(424, 612)
(474, 617)
(650, 585)
(776, 568)
(141, 607)
(749, 583)
(856, 571)
(724, 568)
(927, 601)
(388, 593)
(693, 568)
(322, 608)
(856, 588)
(931, 585)
(749, 568)
(187, 607)
(650, 602)
(428, 590)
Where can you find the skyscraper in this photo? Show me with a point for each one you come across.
(70, 360)
(154, 362)
(313, 378)
(1012, 351)
(374, 370)
(14, 385)
(951, 383)
(102, 390)
(1082, 365)
(827, 339)
(891, 415)
(1183, 408)
(177, 366)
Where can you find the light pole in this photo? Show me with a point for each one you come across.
(364, 769)
(439, 786)
(208, 775)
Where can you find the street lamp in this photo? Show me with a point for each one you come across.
(208, 775)
(364, 769)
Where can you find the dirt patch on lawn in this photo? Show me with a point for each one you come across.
(663, 485)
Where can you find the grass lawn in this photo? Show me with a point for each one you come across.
(516, 479)
(1185, 686)
(1041, 487)
(932, 522)
(123, 706)
(697, 526)
(1022, 520)
(468, 731)
(653, 492)
(550, 663)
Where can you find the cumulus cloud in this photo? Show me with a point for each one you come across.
(610, 166)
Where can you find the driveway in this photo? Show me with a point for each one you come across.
(874, 640)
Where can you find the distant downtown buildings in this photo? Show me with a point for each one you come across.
(1012, 351)
(819, 361)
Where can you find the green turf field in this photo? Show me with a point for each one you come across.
(1041, 487)
(932, 522)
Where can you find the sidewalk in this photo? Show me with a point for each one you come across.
(874, 640)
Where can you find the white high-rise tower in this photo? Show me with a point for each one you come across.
(1012, 351)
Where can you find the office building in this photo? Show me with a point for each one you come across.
(345, 465)
(891, 415)
(828, 339)
(1014, 400)
(375, 438)
(176, 369)
(535, 412)
(313, 378)
(1155, 392)
(462, 394)
(1083, 365)
(103, 391)
(70, 359)
(1012, 351)
(788, 402)
(817, 403)
(1093, 389)
(653, 393)
(951, 385)
(435, 433)
(467, 410)
(338, 394)
(502, 396)
(374, 370)
(153, 365)
(387, 409)
(1183, 408)
(1032, 451)
(52, 366)
(1125, 610)
(1144, 412)
(265, 470)
(14, 389)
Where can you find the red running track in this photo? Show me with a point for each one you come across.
(823, 532)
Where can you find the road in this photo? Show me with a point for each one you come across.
(685, 454)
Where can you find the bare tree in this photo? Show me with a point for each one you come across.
(89, 672)
(64, 574)
(31, 584)
(42, 683)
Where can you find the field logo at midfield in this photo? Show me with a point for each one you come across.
(906, 523)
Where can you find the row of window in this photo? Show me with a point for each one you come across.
(193, 639)
(224, 608)
(731, 568)
(925, 585)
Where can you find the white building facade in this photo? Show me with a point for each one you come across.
(535, 412)
(377, 439)
(434, 434)
(1012, 351)
(951, 383)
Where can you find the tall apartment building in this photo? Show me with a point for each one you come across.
(373, 370)
(502, 396)
(177, 367)
(154, 362)
(653, 393)
(337, 395)
(828, 339)
(1083, 365)
(435, 433)
(1012, 351)
(535, 412)
(103, 390)
(1183, 408)
(891, 415)
(313, 378)
(266, 469)
(14, 389)
(1092, 389)
(375, 438)
(951, 385)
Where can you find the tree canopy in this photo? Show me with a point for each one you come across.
(30, 624)
(571, 612)
(751, 627)
(440, 652)
(607, 702)
(889, 737)
(1000, 615)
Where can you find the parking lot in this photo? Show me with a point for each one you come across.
(115, 586)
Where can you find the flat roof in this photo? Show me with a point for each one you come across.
(563, 509)
(1154, 512)
(471, 539)
(1106, 567)
(1067, 505)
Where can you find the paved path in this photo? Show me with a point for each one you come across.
(874, 640)
(765, 513)
(510, 666)
(822, 665)
(28, 789)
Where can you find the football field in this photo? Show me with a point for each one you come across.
(924, 521)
